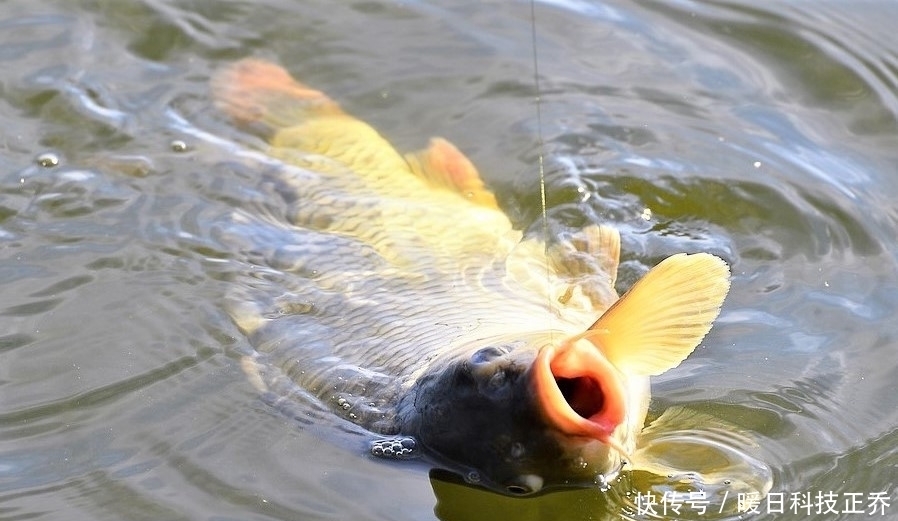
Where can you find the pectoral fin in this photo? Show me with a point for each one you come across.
(664, 316)
(445, 166)
(684, 447)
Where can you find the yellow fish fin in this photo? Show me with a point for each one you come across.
(682, 418)
(664, 316)
(603, 242)
(594, 249)
(266, 98)
(256, 92)
(588, 260)
(688, 446)
(443, 165)
(582, 268)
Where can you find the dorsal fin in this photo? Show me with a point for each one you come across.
(604, 242)
(600, 243)
(664, 316)
(442, 164)
(588, 260)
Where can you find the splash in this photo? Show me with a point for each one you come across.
(706, 473)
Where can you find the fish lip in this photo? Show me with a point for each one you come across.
(578, 359)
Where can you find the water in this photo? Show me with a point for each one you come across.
(767, 135)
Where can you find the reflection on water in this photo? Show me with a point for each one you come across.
(765, 134)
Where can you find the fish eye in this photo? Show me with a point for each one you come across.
(487, 354)
(498, 380)
(517, 490)
(525, 484)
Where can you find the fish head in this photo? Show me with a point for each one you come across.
(521, 413)
(519, 416)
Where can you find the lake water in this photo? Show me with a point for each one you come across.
(767, 134)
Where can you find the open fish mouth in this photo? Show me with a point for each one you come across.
(579, 392)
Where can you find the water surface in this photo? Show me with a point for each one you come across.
(766, 135)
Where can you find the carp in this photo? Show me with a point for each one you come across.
(405, 302)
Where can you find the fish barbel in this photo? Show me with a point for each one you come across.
(413, 308)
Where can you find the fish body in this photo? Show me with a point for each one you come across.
(410, 306)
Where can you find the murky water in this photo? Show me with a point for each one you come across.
(766, 135)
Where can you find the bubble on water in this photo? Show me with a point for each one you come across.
(47, 160)
(402, 447)
(585, 194)
(179, 146)
(603, 482)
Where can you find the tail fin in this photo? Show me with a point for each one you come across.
(298, 119)
(295, 118)
(264, 95)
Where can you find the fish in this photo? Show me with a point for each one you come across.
(398, 297)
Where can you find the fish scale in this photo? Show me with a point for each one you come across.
(372, 316)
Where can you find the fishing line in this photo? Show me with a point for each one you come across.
(541, 154)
